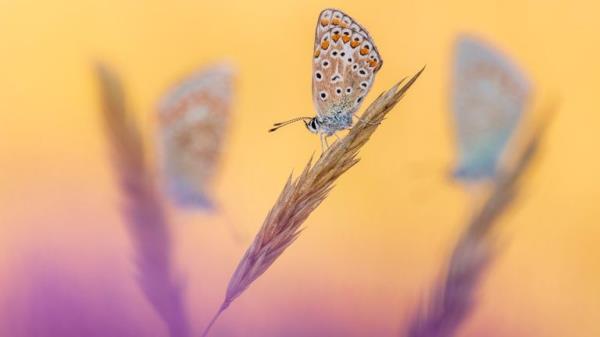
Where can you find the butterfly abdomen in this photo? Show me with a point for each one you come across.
(332, 123)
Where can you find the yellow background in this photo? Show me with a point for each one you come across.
(376, 244)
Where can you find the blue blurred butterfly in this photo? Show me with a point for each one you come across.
(193, 121)
(489, 95)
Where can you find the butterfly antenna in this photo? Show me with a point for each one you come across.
(279, 125)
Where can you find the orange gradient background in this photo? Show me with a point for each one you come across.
(373, 248)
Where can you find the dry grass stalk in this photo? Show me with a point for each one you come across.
(301, 196)
(453, 297)
(146, 219)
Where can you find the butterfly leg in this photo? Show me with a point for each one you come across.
(322, 137)
(326, 144)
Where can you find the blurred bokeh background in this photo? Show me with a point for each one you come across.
(373, 248)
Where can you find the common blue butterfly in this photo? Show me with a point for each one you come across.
(489, 96)
(345, 61)
(193, 120)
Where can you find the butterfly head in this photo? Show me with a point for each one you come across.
(312, 125)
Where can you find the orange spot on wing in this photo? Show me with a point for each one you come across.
(372, 63)
(324, 22)
(317, 53)
(345, 38)
(344, 25)
(335, 22)
(354, 44)
(364, 51)
(335, 37)
(324, 45)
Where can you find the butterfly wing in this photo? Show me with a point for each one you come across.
(193, 120)
(488, 99)
(345, 62)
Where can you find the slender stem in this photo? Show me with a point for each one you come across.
(215, 317)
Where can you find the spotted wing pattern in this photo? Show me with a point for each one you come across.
(345, 62)
(489, 96)
(193, 121)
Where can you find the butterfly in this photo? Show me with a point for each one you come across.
(489, 96)
(345, 61)
(193, 120)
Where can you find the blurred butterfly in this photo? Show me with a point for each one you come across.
(193, 120)
(345, 61)
(489, 96)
